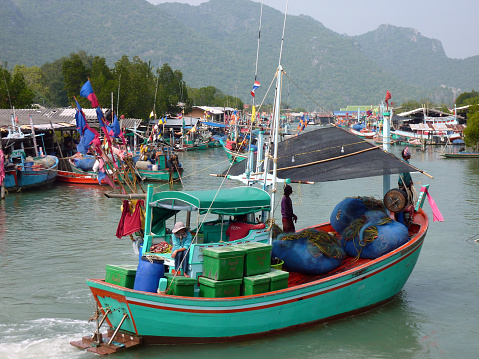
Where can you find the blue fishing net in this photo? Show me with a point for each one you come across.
(352, 208)
(373, 235)
(308, 251)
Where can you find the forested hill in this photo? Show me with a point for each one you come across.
(215, 44)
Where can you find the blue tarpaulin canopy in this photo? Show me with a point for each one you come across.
(213, 124)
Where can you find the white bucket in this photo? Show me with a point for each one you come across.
(154, 167)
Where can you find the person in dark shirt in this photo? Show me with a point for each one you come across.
(405, 180)
(287, 210)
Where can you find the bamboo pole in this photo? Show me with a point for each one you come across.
(2, 189)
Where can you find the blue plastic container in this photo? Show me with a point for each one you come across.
(149, 274)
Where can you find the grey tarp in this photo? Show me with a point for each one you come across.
(331, 154)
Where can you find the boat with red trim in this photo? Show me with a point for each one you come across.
(357, 285)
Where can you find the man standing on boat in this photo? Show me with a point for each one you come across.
(406, 184)
(405, 180)
(287, 211)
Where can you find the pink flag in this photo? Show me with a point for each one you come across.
(436, 214)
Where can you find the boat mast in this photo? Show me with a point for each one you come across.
(277, 107)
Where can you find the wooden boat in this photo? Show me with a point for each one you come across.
(21, 175)
(379, 140)
(189, 145)
(414, 142)
(154, 318)
(464, 154)
(78, 178)
(233, 156)
(364, 133)
(158, 172)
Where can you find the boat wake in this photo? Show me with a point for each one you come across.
(42, 338)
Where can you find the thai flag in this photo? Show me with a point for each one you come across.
(255, 86)
(87, 91)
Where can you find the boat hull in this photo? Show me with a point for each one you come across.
(166, 319)
(160, 175)
(368, 135)
(461, 155)
(77, 178)
(22, 179)
(233, 157)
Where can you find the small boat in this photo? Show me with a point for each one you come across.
(189, 145)
(463, 154)
(233, 156)
(379, 139)
(363, 133)
(414, 142)
(23, 175)
(78, 178)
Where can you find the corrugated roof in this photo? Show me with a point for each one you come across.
(59, 117)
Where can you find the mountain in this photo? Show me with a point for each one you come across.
(214, 44)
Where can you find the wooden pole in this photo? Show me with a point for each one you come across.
(2, 189)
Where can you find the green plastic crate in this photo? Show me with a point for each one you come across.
(210, 288)
(255, 284)
(279, 279)
(122, 275)
(257, 258)
(180, 285)
(222, 263)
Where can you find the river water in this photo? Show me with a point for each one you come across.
(52, 240)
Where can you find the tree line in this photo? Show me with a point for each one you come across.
(133, 88)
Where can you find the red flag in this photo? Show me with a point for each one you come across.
(388, 97)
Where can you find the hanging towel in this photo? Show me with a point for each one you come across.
(129, 222)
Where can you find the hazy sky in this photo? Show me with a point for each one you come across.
(454, 22)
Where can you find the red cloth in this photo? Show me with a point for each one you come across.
(288, 225)
(129, 223)
(238, 230)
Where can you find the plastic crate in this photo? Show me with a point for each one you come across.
(256, 284)
(210, 288)
(180, 285)
(279, 279)
(122, 275)
(222, 263)
(257, 258)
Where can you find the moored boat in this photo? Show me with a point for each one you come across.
(23, 175)
(77, 178)
(463, 154)
(363, 133)
(233, 156)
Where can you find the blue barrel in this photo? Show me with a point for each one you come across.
(148, 274)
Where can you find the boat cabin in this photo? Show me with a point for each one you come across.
(207, 214)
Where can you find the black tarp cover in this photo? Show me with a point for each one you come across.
(331, 154)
